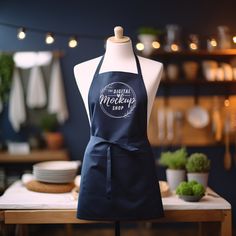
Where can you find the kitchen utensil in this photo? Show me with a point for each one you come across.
(161, 124)
(179, 121)
(217, 125)
(190, 69)
(170, 124)
(227, 156)
(198, 116)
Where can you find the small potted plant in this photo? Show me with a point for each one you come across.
(198, 166)
(53, 138)
(6, 73)
(191, 191)
(147, 35)
(175, 163)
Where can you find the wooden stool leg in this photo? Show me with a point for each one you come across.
(21, 230)
(226, 224)
(69, 229)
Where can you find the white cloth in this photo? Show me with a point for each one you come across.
(36, 93)
(56, 97)
(18, 197)
(17, 113)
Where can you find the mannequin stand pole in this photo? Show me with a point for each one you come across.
(117, 228)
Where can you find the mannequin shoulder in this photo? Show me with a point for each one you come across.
(150, 65)
(86, 66)
(146, 63)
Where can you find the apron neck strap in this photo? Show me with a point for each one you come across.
(137, 64)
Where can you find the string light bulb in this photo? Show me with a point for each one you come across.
(174, 47)
(21, 33)
(73, 42)
(234, 39)
(193, 46)
(156, 44)
(140, 46)
(49, 38)
(213, 42)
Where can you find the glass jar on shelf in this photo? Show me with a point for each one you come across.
(173, 42)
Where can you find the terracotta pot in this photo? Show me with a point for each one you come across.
(54, 140)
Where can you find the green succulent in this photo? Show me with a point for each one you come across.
(184, 189)
(174, 160)
(149, 30)
(6, 72)
(198, 190)
(198, 162)
(192, 183)
(49, 122)
(192, 188)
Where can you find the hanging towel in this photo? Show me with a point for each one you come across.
(17, 114)
(36, 93)
(56, 97)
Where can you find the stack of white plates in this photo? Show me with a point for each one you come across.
(56, 171)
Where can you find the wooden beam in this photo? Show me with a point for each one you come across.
(69, 216)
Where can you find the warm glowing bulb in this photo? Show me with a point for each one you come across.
(72, 42)
(226, 102)
(234, 38)
(156, 44)
(21, 34)
(174, 47)
(193, 46)
(139, 46)
(213, 43)
(49, 38)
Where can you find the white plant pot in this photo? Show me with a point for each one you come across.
(146, 40)
(174, 177)
(201, 178)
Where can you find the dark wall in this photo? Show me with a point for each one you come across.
(99, 18)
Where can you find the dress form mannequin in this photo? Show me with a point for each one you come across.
(119, 56)
(118, 176)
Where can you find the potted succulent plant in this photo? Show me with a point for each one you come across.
(53, 138)
(147, 35)
(191, 191)
(175, 163)
(6, 72)
(198, 166)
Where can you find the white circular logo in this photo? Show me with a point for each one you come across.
(117, 100)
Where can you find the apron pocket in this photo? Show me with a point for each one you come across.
(94, 168)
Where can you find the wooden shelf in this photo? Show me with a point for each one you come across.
(200, 53)
(35, 156)
(197, 82)
(184, 133)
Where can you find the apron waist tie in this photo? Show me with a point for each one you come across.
(108, 177)
(134, 147)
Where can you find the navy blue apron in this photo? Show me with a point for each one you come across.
(118, 177)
